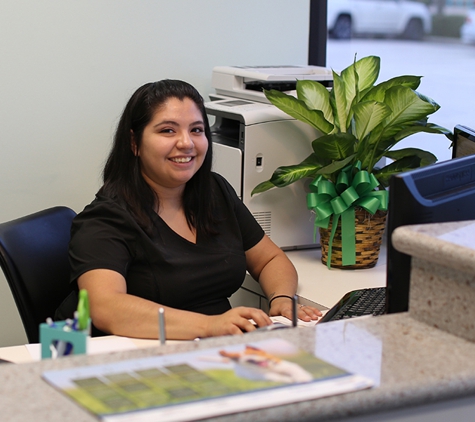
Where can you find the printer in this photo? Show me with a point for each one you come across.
(247, 82)
(252, 137)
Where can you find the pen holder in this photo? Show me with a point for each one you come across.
(52, 335)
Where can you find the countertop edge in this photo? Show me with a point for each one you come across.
(418, 242)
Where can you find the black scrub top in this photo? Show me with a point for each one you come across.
(166, 268)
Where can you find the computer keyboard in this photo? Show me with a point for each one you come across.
(358, 303)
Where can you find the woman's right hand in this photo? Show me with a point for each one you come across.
(236, 321)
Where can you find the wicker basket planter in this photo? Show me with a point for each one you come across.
(368, 237)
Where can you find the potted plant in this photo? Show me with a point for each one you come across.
(360, 123)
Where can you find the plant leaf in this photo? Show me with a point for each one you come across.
(367, 69)
(384, 175)
(262, 187)
(331, 170)
(408, 161)
(384, 147)
(428, 100)
(406, 107)
(336, 146)
(427, 128)
(367, 72)
(298, 110)
(338, 103)
(316, 97)
(285, 175)
(367, 116)
(378, 92)
(425, 157)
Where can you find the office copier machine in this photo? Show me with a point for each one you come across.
(252, 137)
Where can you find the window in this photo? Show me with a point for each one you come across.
(444, 61)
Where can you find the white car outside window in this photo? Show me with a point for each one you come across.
(408, 19)
(467, 31)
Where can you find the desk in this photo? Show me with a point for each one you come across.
(421, 372)
(318, 285)
(412, 364)
(32, 352)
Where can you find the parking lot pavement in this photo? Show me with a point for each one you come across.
(447, 67)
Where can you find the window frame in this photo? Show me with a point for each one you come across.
(317, 39)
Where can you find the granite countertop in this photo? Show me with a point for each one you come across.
(410, 362)
(442, 289)
(455, 242)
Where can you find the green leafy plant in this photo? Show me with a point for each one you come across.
(359, 122)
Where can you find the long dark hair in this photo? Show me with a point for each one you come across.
(122, 175)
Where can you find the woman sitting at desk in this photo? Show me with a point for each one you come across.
(165, 231)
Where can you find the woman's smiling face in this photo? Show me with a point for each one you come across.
(173, 146)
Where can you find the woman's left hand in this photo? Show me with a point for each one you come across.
(283, 306)
(308, 313)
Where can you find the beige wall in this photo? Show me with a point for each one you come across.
(68, 67)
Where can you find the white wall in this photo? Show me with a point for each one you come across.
(67, 67)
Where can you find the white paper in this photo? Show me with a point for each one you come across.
(464, 236)
(95, 345)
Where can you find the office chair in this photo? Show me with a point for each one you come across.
(34, 259)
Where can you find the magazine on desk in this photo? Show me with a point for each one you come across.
(204, 383)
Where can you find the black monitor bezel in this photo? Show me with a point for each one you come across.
(401, 212)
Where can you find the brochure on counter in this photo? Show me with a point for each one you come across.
(204, 383)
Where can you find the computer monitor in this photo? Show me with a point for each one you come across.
(437, 193)
(464, 141)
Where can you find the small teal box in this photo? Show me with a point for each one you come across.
(49, 335)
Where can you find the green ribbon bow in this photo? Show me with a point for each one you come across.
(354, 187)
